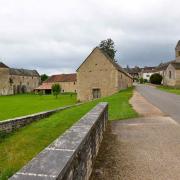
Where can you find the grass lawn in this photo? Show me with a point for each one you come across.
(21, 146)
(20, 105)
(169, 89)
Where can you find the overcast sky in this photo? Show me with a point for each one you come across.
(55, 36)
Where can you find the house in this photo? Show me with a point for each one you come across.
(68, 83)
(146, 72)
(99, 76)
(172, 73)
(15, 81)
(134, 72)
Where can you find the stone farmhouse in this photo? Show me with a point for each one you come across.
(99, 76)
(170, 70)
(172, 73)
(15, 81)
(68, 83)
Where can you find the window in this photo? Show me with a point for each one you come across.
(170, 75)
(74, 83)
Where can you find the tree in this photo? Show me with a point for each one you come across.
(156, 78)
(108, 47)
(56, 89)
(44, 77)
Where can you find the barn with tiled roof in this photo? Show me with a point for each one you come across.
(68, 83)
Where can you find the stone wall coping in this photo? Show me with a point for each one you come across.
(54, 160)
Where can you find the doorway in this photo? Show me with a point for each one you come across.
(96, 93)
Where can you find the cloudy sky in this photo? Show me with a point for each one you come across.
(55, 36)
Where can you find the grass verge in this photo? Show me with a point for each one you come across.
(169, 89)
(25, 104)
(21, 146)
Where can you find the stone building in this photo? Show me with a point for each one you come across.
(68, 83)
(172, 73)
(14, 81)
(135, 72)
(99, 76)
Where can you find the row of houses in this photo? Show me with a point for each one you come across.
(170, 70)
(98, 76)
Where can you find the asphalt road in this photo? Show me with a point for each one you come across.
(168, 103)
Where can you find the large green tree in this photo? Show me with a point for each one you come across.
(108, 47)
(44, 77)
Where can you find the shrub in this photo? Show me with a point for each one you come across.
(145, 81)
(56, 89)
(156, 78)
(141, 80)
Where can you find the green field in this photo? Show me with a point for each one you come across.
(169, 89)
(20, 105)
(21, 146)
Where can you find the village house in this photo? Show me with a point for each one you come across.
(15, 81)
(68, 83)
(99, 76)
(146, 72)
(172, 73)
(134, 72)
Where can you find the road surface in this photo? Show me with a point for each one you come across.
(145, 148)
(167, 102)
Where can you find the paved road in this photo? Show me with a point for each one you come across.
(166, 102)
(145, 148)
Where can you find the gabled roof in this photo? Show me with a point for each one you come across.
(163, 66)
(62, 78)
(178, 45)
(23, 72)
(2, 65)
(116, 65)
(134, 70)
(176, 65)
(44, 86)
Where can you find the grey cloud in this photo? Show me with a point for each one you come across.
(55, 36)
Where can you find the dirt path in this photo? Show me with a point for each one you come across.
(146, 148)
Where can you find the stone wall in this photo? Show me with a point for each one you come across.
(72, 155)
(167, 80)
(10, 125)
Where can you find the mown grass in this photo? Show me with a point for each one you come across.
(20, 105)
(169, 89)
(21, 146)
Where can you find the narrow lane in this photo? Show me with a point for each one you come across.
(166, 102)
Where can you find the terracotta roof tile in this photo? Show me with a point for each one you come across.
(62, 78)
(44, 86)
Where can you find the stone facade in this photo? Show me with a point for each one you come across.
(14, 81)
(99, 76)
(68, 83)
(172, 73)
(72, 155)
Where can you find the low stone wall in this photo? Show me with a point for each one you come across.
(10, 125)
(72, 155)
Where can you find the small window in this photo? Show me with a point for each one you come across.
(170, 75)
(74, 83)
